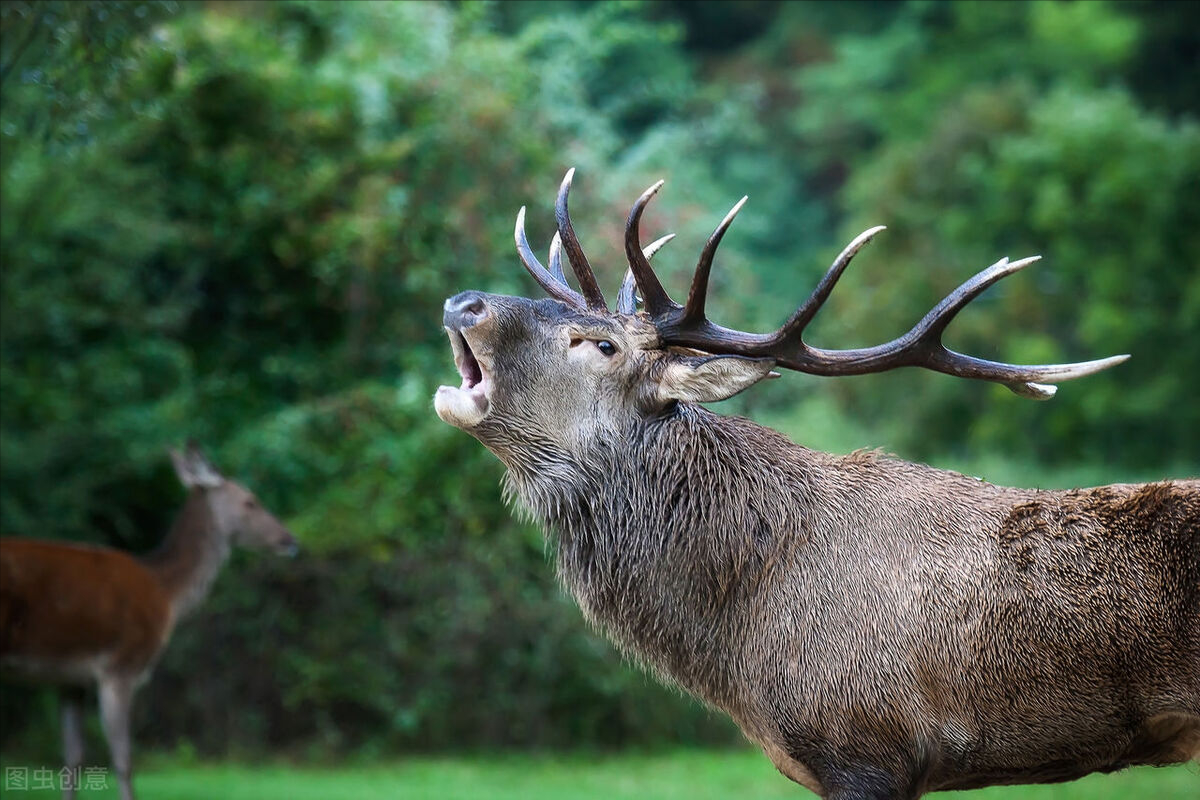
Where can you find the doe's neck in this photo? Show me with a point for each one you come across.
(191, 556)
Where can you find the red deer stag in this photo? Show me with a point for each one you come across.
(880, 628)
(73, 614)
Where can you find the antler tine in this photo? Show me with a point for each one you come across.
(558, 289)
(627, 297)
(922, 345)
(794, 327)
(654, 296)
(579, 263)
(555, 264)
(935, 322)
(693, 312)
(925, 339)
(649, 250)
(1059, 373)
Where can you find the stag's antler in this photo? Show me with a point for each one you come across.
(921, 347)
(554, 281)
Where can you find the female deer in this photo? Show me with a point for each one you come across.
(77, 615)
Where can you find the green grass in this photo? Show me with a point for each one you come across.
(680, 775)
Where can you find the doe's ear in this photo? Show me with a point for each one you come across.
(707, 379)
(193, 469)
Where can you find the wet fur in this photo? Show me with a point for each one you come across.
(880, 628)
(872, 617)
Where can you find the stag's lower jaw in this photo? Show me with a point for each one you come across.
(466, 405)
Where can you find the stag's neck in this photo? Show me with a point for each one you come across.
(662, 531)
(190, 558)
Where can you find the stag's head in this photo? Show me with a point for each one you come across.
(557, 372)
(552, 373)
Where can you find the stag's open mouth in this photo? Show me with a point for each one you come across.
(465, 405)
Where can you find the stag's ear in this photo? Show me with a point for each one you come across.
(707, 379)
(193, 469)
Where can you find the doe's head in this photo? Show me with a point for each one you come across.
(238, 515)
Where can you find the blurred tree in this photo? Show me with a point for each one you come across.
(233, 276)
(90, 356)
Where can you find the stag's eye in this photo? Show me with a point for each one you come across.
(603, 345)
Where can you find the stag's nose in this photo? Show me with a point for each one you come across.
(464, 310)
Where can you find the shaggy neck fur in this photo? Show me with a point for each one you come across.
(666, 532)
(191, 556)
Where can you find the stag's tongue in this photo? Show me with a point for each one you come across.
(468, 365)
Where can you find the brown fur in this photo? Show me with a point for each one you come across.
(880, 628)
(117, 609)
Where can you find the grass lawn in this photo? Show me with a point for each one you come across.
(680, 775)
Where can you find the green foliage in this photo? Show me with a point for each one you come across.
(238, 222)
(279, 201)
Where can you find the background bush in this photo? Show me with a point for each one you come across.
(237, 222)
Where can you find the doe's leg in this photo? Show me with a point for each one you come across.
(116, 699)
(71, 713)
